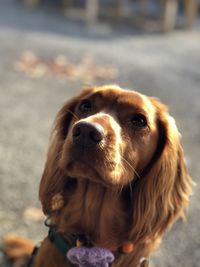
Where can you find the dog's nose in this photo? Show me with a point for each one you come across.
(87, 133)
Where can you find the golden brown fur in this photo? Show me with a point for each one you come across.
(131, 187)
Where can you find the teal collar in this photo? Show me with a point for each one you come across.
(65, 243)
(61, 243)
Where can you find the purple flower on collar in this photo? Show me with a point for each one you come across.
(90, 257)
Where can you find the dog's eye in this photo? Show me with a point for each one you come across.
(139, 120)
(85, 106)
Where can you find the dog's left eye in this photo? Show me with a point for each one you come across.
(85, 106)
(139, 120)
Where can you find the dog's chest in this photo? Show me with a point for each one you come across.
(95, 211)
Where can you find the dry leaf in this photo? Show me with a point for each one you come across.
(33, 214)
(60, 60)
(86, 70)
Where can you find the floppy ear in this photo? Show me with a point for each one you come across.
(53, 179)
(162, 193)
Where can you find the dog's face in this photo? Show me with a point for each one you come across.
(123, 151)
(111, 138)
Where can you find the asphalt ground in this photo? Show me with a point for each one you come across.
(165, 66)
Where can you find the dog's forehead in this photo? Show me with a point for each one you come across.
(124, 98)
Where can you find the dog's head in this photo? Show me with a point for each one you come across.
(122, 140)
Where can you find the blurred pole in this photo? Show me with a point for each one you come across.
(143, 6)
(169, 12)
(191, 11)
(118, 8)
(67, 3)
(31, 3)
(92, 11)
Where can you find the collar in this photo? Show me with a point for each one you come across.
(61, 243)
(65, 242)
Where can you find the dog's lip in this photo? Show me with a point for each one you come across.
(81, 161)
(94, 178)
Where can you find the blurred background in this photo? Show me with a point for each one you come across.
(50, 49)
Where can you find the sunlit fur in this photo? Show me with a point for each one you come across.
(132, 187)
(137, 184)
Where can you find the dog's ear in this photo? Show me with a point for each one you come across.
(162, 193)
(53, 179)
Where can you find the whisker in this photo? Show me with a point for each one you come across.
(131, 188)
(73, 114)
(59, 128)
(132, 168)
(121, 186)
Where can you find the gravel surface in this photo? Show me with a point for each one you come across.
(166, 66)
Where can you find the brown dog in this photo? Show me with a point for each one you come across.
(115, 172)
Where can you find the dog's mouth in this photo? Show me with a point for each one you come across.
(81, 169)
(92, 164)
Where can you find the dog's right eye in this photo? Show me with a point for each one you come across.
(139, 120)
(85, 106)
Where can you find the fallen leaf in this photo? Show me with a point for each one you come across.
(85, 70)
(33, 214)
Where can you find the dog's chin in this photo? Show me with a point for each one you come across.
(81, 170)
